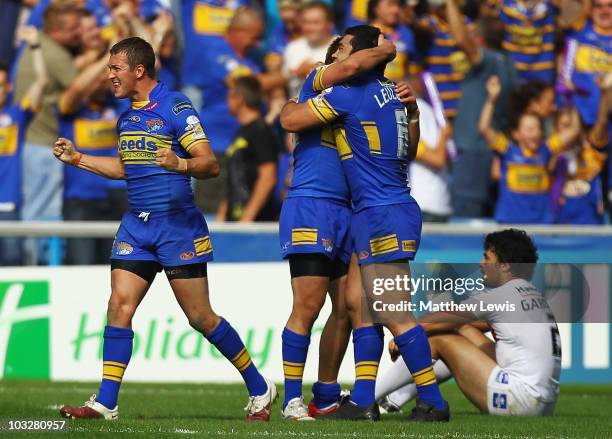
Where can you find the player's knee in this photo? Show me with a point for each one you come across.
(307, 310)
(120, 309)
(204, 323)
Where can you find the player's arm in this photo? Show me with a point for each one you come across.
(70, 101)
(202, 164)
(445, 322)
(35, 93)
(296, 117)
(355, 64)
(407, 97)
(460, 32)
(109, 167)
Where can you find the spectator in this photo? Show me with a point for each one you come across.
(303, 54)
(386, 15)
(204, 23)
(524, 186)
(8, 23)
(444, 60)
(252, 158)
(13, 124)
(581, 200)
(530, 37)
(42, 174)
(537, 97)
(88, 117)
(287, 30)
(589, 54)
(227, 61)
(429, 170)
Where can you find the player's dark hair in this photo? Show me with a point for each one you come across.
(364, 37)
(317, 4)
(250, 89)
(138, 52)
(4, 67)
(333, 47)
(514, 247)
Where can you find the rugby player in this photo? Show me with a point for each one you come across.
(161, 146)
(518, 374)
(314, 238)
(374, 144)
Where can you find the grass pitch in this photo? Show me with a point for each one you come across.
(216, 410)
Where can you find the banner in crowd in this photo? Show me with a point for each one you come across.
(52, 320)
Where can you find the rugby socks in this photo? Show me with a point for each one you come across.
(227, 341)
(116, 356)
(325, 394)
(414, 347)
(295, 350)
(404, 394)
(368, 345)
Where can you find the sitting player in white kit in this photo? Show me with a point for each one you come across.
(518, 374)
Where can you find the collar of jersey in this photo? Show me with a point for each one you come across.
(602, 32)
(157, 90)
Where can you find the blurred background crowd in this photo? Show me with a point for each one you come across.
(513, 98)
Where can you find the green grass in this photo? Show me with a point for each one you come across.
(214, 410)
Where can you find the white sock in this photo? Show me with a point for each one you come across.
(398, 385)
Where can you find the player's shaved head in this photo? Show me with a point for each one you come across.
(138, 52)
(516, 248)
(245, 18)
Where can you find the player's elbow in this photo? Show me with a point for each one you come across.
(214, 168)
(289, 122)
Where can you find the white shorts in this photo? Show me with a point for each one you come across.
(508, 395)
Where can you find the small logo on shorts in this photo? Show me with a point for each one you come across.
(285, 246)
(409, 246)
(187, 256)
(123, 248)
(363, 254)
(500, 401)
(502, 377)
(327, 245)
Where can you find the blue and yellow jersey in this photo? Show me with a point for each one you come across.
(223, 64)
(581, 199)
(166, 120)
(593, 56)
(524, 185)
(355, 12)
(371, 132)
(447, 63)
(204, 23)
(13, 123)
(317, 170)
(529, 38)
(402, 36)
(92, 132)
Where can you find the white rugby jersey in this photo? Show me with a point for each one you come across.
(528, 344)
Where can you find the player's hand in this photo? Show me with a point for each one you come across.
(388, 46)
(493, 87)
(29, 34)
(393, 350)
(407, 97)
(166, 158)
(63, 150)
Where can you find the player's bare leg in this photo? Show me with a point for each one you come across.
(332, 347)
(192, 293)
(471, 367)
(309, 294)
(127, 291)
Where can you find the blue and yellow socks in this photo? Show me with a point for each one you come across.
(295, 350)
(414, 347)
(368, 345)
(227, 341)
(116, 356)
(325, 394)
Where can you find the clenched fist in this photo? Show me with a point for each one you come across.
(63, 149)
(166, 158)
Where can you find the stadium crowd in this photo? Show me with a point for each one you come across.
(513, 100)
